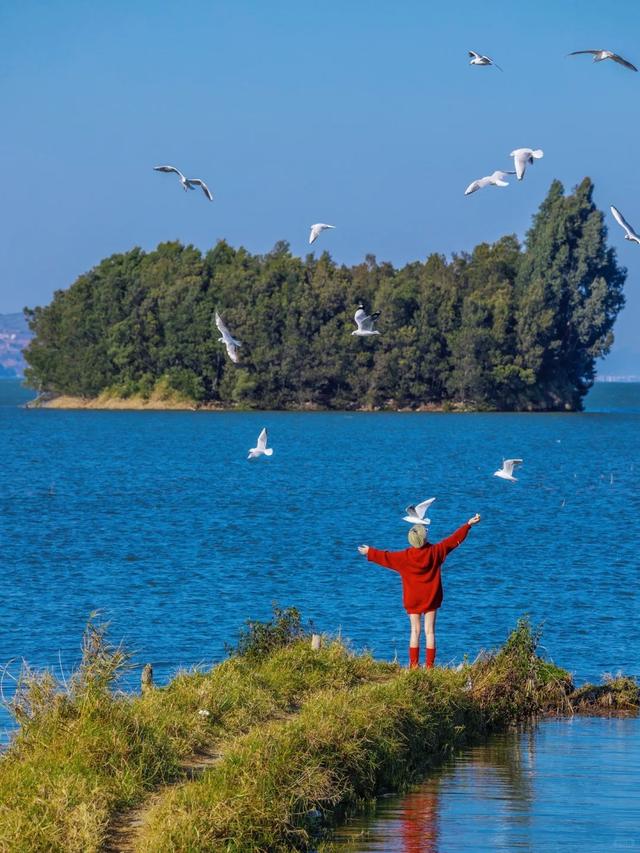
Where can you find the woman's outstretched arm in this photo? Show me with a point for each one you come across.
(459, 536)
(389, 559)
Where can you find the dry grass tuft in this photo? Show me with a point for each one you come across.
(618, 693)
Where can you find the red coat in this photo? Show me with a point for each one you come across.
(419, 569)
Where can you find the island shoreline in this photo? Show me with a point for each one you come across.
(157, 403)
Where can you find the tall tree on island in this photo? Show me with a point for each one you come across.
(569, 292)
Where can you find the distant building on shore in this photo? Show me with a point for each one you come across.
(616, 378)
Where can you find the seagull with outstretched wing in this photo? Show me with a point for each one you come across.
(365, 322)
(523, 157)
(495, 179)
(417, 514)
(198, 182)
(317, 229)
(173, 169)
(479, 59)
(187, 183)
(227, 339)
(261, 449)
(600, 55)
(630, 234)
(506, 472)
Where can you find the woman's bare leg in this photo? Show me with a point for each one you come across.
(430, 634)
(414, 641)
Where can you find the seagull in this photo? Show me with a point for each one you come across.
(599, 55)
(227, 339)
(416, 514)
(317, 229)
(187, 183)
(478, 59)
(522, 156)
(261, 449)
(365, 322)
(630, 234)
(495, 179)
(506, 472)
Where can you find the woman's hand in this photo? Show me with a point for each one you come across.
(474, 520)
(363, 549)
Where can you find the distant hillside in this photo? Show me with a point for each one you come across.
(14, 337)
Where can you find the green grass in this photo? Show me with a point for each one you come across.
(83, 752)
(304, 735)
(343, 747)
(347, 746)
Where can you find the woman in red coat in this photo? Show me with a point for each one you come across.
(419, 568)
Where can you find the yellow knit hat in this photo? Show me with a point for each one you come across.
(417, 535)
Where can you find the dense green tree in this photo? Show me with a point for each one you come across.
(501, 327)
(569, 294)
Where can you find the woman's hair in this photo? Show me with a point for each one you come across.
(417, 535)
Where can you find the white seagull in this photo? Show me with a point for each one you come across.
(506, 472)
(365, 322)
(479, 59)
(261, 449)
(187, 183)
(227, 339)
(599, 55)
(416, 514)
(630, 234)
(495, 179)
(317, 229)
(522, 156)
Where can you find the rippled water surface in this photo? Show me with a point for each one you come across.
(158, 520)
(565, 786)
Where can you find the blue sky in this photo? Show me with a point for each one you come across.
(363, 114)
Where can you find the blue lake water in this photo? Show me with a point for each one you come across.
(158, 520)
(565, 786)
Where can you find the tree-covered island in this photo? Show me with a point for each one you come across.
(506, 327)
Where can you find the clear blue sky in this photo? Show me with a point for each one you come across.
(363, 114)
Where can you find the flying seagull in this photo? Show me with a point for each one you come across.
(478, 59)
(522, 156)
(365, 322)
(317, 229)
(187, 183)
(506, 472)
(261, 449)
(630, 234)
(416, 514)
(495, 179)
(599, 55)
(227, 339)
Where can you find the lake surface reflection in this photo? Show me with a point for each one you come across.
(567, 785)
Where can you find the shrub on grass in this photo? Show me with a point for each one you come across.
(514, 683)
(259, 639)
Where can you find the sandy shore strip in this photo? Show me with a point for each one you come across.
(106, 402)
(157, 402)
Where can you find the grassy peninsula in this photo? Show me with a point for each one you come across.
(507, 326)
(266, 751)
